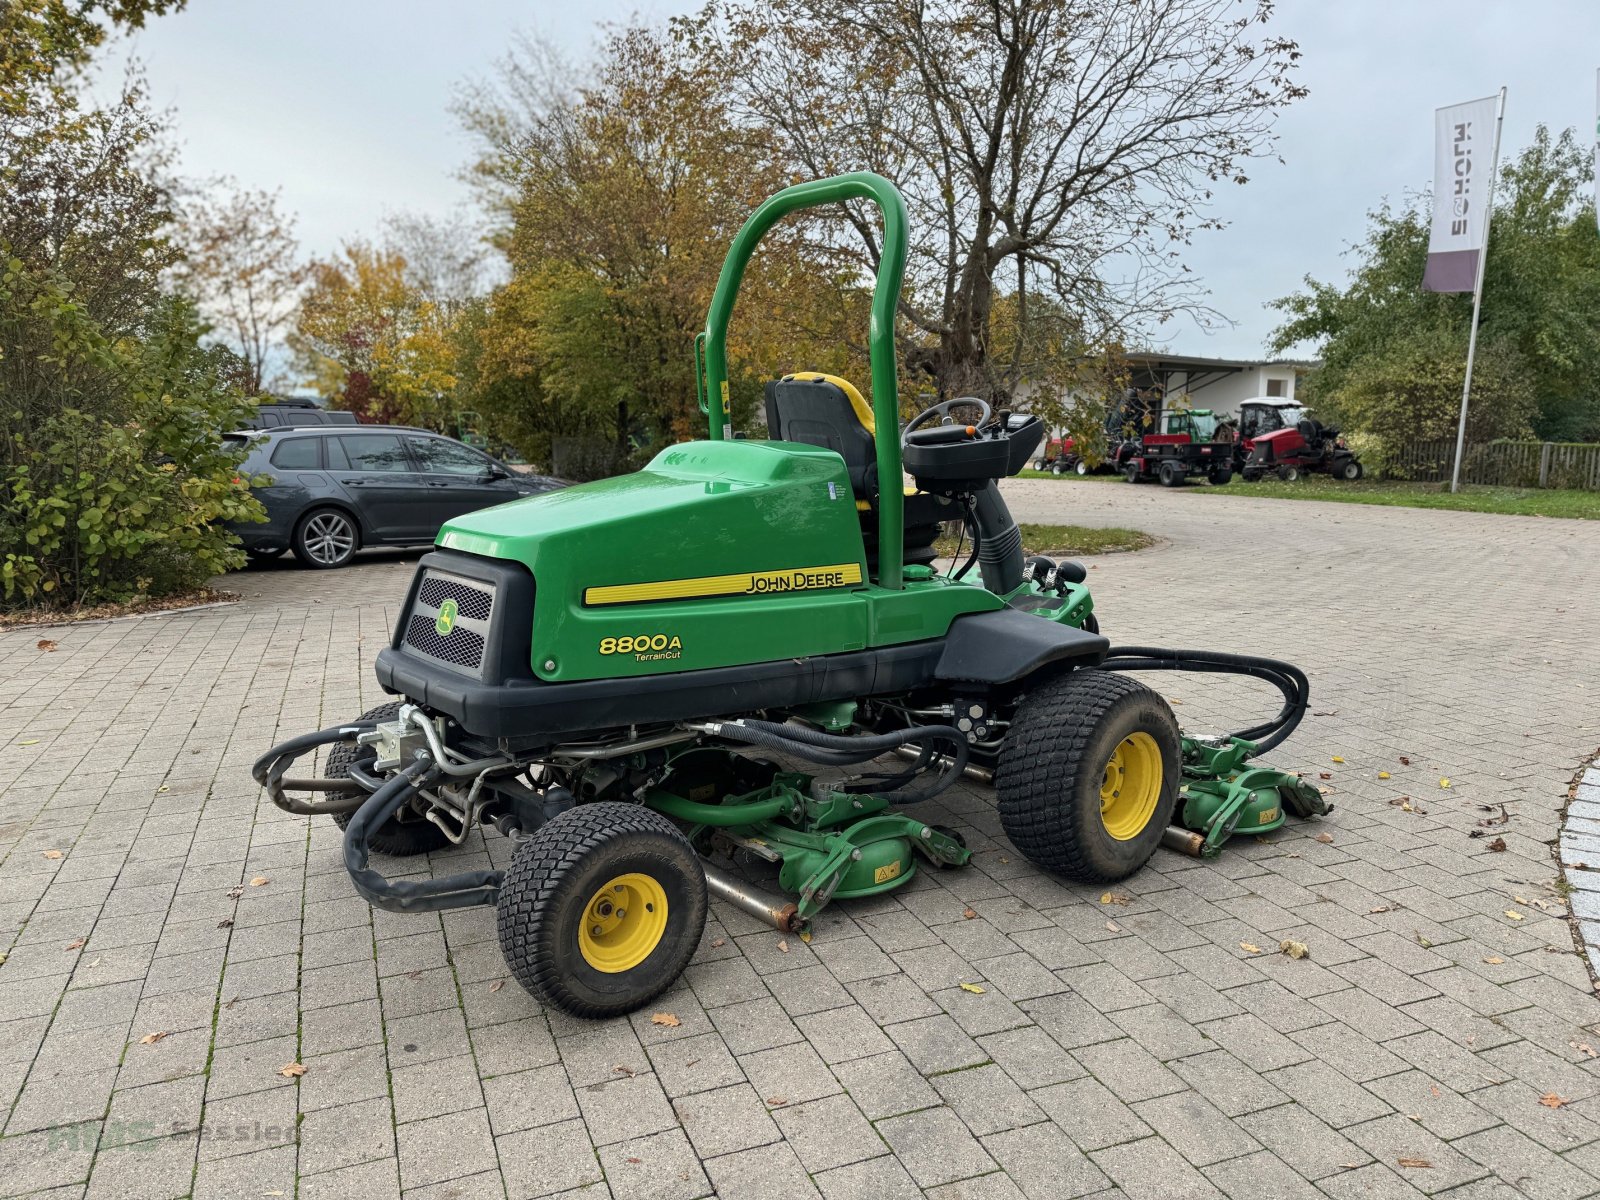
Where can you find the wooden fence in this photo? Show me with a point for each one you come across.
(1501, 464)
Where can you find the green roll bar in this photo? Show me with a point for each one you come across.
(711, 353)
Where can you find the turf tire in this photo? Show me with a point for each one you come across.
(1050, 770)
(555, 873)
(399, 839)
(1171, 474)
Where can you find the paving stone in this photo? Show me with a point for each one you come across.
(828, 1133)
(1525, 1165)
(726, 1120)
(548, 1159)
(880, 1178)
(1042, 1163)
(622, 1109)
(1151, 1168)
(986, 1099)
(1303, 1140)
(885, 1085)
(442, 1148)
(1129, 1070)
(1331, 1096)
(661, 1166)
(934, 1146)
(764, 1173)
(1195, 1128)
(1389, 1139)
(1259, 1176)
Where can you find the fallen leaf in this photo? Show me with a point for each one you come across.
(718, 943)
(1494, 960)
(77, 945)
(1583, 1048)
(1498, 844)
(163, 788)
(1444, 783)
(1115, 898)
(631, 1159)
(93, 963)
(291, 1070)
(1513, 914)
(29, 742)
(1113, 927)
(1384, 775)
(1337, 759)
(973, 988)
(1294, 949)
(150, 1039)
(1324, 774)
(235, 892)
(1551, 1100)
(1382, 908)
(777, 1101)
(969, 913)
(3, 957)
(1424, 942)
(46, 645)
(783, 945)
(1325, 838)
(497, 985)
(231, 1003)
(52, 854)
(623, 1069)
(1404, 761)
(225, 923)
(260, 881)
(665, 1018)
(1250, 947)
(1414, 1162)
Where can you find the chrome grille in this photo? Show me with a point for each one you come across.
(461, 646)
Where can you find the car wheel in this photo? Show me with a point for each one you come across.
(325, 538)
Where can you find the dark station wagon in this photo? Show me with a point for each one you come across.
(335, 489)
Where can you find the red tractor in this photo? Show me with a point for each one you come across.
(1280, 436)
(1058, 457)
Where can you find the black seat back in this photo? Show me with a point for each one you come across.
(826, 411)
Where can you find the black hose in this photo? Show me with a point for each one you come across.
(421, 895)
(1286, 677)
(815, 746)
(269, 769)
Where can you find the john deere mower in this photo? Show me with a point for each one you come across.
(716, 658)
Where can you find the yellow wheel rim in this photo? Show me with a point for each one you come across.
(623, 923)
(1131, 787)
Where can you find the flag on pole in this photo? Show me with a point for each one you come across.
(1463, 165)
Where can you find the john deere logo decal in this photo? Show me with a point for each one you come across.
(446, 621)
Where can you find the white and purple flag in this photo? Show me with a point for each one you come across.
(1463, 166)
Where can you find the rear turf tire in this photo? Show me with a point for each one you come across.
(1056, 771)
(1171, 474)
(1350, 471)
(1082, 468)
(1133, 473)
(1289, 474)
(548, 909)
(396, 838)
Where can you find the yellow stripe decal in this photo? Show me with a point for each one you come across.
(790, 579)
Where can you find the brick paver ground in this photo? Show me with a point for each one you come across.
(153, 987)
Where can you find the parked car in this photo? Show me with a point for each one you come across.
(336, 489)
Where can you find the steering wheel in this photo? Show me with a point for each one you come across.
(943, 410)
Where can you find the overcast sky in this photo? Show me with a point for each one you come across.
(343, 104)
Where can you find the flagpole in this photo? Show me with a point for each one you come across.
(1477, 294)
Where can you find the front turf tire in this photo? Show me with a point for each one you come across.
(396, 838)
(1074, 746)
(558, 943)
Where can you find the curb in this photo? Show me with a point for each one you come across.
(1578, 854)
(144, 616)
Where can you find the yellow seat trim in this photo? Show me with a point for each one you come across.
(861, 408)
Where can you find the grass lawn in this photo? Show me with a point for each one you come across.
(1528, 502)
(1056, 541)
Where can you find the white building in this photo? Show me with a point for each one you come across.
(1219, 384)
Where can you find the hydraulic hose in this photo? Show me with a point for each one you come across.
(1286, 677)
(422, 895)
(269, 770)
(833, 750)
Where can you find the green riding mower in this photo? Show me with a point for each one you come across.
(745, 652)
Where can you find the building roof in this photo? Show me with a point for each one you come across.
(1156, 358)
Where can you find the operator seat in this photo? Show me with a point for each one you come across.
(827, 411)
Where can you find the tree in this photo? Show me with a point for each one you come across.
(1386, 344)
(113, 482)
(446, 257)
(1047, 149)
(618, 200)
(241, 264)
(368, 339)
